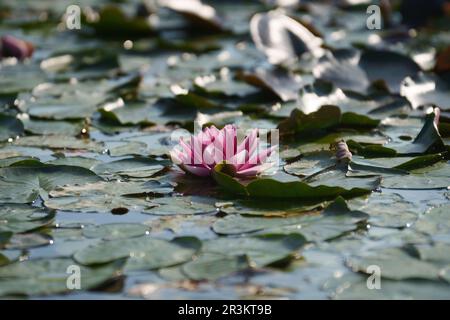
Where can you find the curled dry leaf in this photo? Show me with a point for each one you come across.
(283, 39)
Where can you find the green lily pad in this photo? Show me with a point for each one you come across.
(23, 184)
(59, 142)
(403, 214)
(106, 196)
(181, 206)
(10, 127)
(111, 16)
(261, 251)
(438, 253)
(212, 266)
(311, 163)
(28, 240)
(355, 287)
(428, 140)
(20, 77)
(46, 127)
(426, 89)
(436, 176)
(435, 223)
(392, 262)
(50, 276)
(18, 218)
(143, 253)
(114, 231)
(324, 118)
(13, 160)
(335, 220)
(4, 238)
(329, 184)
(131, 167)
(76, 161)
(283, 84)
(223, 256)
(269, 208)
(355, 71)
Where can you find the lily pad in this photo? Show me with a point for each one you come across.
(356, 71)
(143, 253)
(22, 218)
(114, 231)
(212, 266)
(392, 261)
(10, 127)
(45, 127)
(28, 241)
(59, 142)
(278, 81)
(335, 220)
(181, 206)
(23, 184)
(222, 256)
(102, 196)
(324, 118)
(111, 16)
(131, 167)
(435, 223)
(329, 184)
(49, 276)
(426, 89)
(356, 288)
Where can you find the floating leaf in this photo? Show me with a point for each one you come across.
(436, 176)
(21, 77)
(131, 167)
(28, 240)
(425, 89)
(403, 214)
(143, 253)
(49, 276)
(356, 288)
(435, 223)
(114, 231)
(324, 118)
(76, 161)
(4, 238)
(59, 142)
(111, 16)
(106, 196)
(335, 220)
(329, 184)
(22, 218)
(438, 253)
(392, 262)
(212, 266)
(356, 71)
(10, 127)
(222, 256)
(181, 206)
(278, 81)
(44, 127)
(23, 184)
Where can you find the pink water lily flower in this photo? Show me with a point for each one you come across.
(13, 47)
(212, 146)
